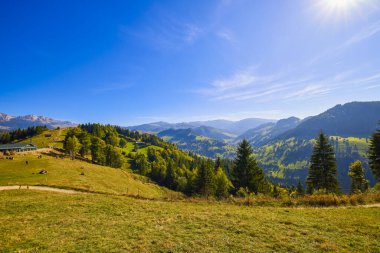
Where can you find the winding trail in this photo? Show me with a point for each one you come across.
(38, 188)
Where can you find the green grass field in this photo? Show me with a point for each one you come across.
(52, 222)
(55, 140)
(65, 173)
(108, 219)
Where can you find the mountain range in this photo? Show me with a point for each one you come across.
(232, 128)
(8, 122)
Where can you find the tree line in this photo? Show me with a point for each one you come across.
(20, 134)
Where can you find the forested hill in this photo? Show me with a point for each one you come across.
(191, 140)
(286, 157)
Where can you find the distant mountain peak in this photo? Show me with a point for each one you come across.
(8, 122)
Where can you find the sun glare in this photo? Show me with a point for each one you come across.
(339, 5)
(338, 9)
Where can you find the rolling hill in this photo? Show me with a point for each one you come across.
(189, 140)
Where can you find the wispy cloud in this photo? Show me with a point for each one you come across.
(249, 84)
(192, 33)
(366, 33)
(111, 88)
(226, 35)
(309, 91)
(237, 80)
(164, 30)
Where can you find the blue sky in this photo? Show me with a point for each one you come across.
(130, 62)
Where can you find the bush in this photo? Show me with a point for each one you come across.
(242, 192)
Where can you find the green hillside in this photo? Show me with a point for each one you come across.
(189, 140)
(50, 138)
(66, 173)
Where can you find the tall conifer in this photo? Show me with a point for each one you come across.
(323, 167)
(374, 154)
(246, 173)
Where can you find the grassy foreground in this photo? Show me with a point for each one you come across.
(41, 221)
(65, 173)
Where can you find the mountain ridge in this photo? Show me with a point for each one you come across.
(9, 122)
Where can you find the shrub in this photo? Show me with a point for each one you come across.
(242, 192)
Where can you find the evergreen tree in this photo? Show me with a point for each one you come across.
(171, 177)
(275, 193)
(141, 164)
(246, 173)
(123, 143)
(374, 154)
(323, 167)
(222, 183)
(206, 179)
(85, 142)
(158, 171)
(300, 189)
(97, 150)
(358, 181)
(218, 164)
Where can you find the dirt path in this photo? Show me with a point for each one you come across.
(38, 188)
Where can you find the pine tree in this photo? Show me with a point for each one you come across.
(97, 150)
(358, 181)
(275, 193)
(222, 184)
(300, 189)
(171, 177)
(85, 142)
(374, 154)
(323, 167)
(206, 179)
(218, 164)
(246, 173)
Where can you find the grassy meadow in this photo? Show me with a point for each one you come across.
(111, 219)
(66, 173)
(40, 221)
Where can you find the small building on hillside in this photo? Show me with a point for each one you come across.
(18, 147)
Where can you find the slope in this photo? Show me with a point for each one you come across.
(65, 173)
